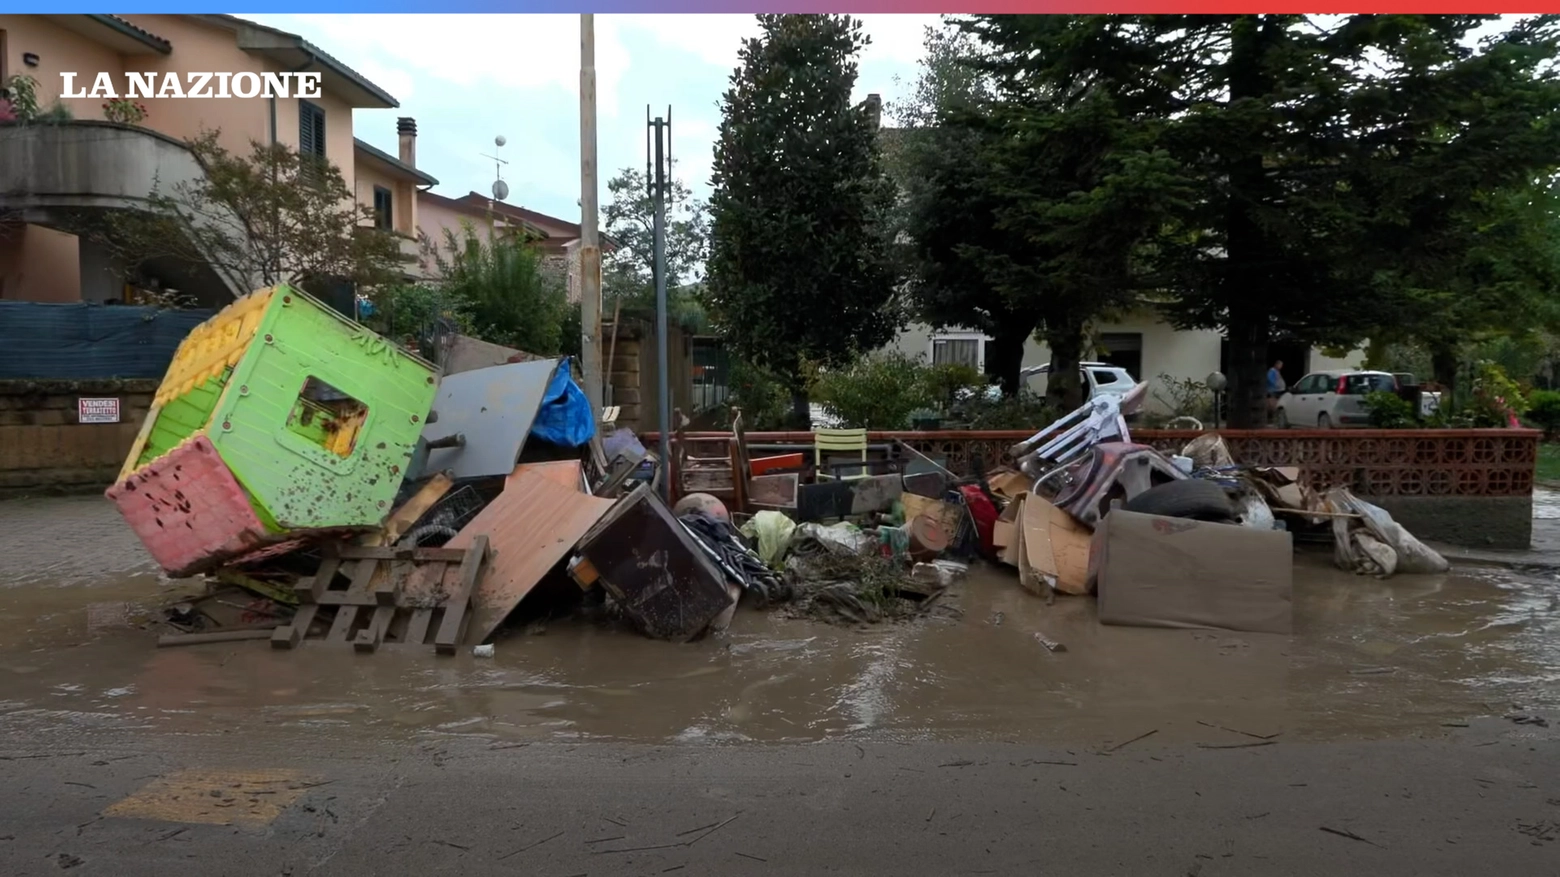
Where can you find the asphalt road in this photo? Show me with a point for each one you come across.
(139, 803)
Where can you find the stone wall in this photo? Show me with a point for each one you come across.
(45, 448)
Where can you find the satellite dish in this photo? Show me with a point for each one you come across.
(500, 190)
(1216, 382)
(499, 140)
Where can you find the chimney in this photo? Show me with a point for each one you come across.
(874, 109)
(406, 126)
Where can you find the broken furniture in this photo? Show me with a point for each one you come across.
(277, 417)
(653, 567)
(493, 409)
(408, 596)
(534, 523)
(1101, 419)
(1152, 571)
(1107, 472)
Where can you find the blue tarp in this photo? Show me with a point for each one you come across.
(565, 418)
(87, 341)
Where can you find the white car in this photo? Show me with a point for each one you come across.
(1099, 378)
(1324, 400)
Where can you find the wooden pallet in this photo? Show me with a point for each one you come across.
(392, 596)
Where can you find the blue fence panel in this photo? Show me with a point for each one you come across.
(82, 341)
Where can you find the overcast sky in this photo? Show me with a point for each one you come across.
(467, 78)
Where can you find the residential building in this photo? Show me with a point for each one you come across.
(1141, 342)
(51, 174)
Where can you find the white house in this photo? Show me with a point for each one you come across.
(1142, 343)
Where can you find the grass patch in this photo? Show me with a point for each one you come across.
(1549, 462)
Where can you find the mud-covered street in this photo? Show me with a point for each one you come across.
(1380, 735)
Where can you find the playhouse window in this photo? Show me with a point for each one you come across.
(327, 417)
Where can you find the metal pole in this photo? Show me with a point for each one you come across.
(590, 242)
(663, 397)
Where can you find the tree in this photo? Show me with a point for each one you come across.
(628, 269)
(502, 288)
(1027, 201)
(273, 217)
(800, 265)
(1299, 137)
(944, 206)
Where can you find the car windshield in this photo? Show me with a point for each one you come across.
(1363, 385)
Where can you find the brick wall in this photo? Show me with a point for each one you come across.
(44, 447)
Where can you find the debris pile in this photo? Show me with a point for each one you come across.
(336, 488)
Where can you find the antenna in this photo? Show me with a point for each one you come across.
(500, 188)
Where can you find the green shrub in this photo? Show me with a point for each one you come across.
(1024, 411)
(882, 390)
(1390, 411)
(1495, 397)
(1544, 411)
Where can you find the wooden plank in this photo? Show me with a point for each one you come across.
(417, 630)
(448, 555)
(448, 637)
(288, 636)
(369, 638)
(316, 587)
(387, 588)
(360, 593)
(410, 512)
(221, 636)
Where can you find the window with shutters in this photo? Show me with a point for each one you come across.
(382, 208)
(311, 130)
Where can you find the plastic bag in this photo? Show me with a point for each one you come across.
(565, 418)
(1356, 540)
(772, 531)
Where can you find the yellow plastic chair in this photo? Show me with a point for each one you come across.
(836, 441)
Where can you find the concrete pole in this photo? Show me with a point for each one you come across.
(590, 240)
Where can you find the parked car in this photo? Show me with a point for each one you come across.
(1099, 378)
(1331, 399)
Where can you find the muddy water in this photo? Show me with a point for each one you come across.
(1367, 659)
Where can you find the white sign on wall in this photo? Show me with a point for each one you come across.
(97, 410)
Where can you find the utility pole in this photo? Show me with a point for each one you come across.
(590, 240)
(658, 182)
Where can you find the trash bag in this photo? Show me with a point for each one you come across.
(843, 538)
(772, 531)
(565, 418)
(1356, 540)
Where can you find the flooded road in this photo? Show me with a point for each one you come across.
(1368, 659)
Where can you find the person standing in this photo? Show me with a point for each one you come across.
(1275, 385)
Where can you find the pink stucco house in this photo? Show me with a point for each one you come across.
(49, 171)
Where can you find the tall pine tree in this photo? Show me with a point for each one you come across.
(800, 266)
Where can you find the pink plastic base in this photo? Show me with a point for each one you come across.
(189, 510)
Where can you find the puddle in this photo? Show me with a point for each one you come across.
(1368, 659)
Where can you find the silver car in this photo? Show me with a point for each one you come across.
(1324, 400)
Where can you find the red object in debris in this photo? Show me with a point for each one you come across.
(984, 511)
(189, 510)
(766, 465)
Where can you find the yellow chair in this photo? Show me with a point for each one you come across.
(835, 441)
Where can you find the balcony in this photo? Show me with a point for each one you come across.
(57, 175)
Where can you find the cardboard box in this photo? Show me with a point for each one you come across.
(1153, 571)
(1004, 533)
(1054, 549)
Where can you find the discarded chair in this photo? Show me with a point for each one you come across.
(837, 440)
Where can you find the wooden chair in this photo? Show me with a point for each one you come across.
(838, 441)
